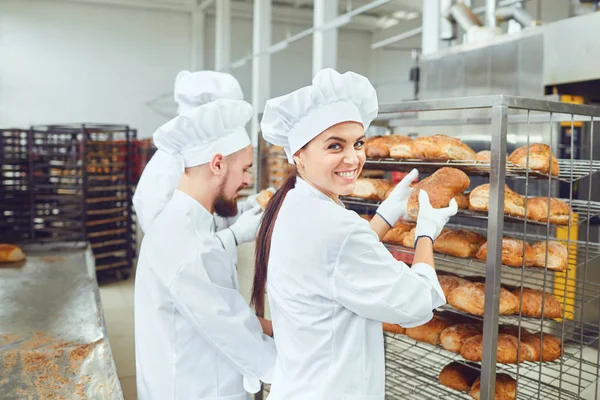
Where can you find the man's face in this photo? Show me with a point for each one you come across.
(237, 177)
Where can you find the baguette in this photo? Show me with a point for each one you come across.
(558, 255)
(532, 303)
(459, 243)
(395, 146)
(458, 376)
(506, 388)
(512, 253)
(11, 253)
(539, 159)
(371, 189)
(537, 210)
(441, 147)
(514, 204)
(470, 298)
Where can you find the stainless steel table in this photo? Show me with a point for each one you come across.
(53, 341)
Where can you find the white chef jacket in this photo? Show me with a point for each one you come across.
(195, 336)
(330, 284)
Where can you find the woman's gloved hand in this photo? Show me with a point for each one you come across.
(394, 207)
(431, 221)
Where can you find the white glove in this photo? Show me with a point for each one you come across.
(251, 201)
(431, 221)
(246, 226)
(394, 207)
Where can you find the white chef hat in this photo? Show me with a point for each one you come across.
(293, 120)
(193, 89)
(214, 128)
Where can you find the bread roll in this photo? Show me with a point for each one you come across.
(537, 210)
(514, 204)
(532, 303)
(484, 156)
(450, 282)
(396, 235)
(381, 146)
(512, 253)
(506, 388)
(472, 349)
(263, 198)
(459, 376)
(459, 243)
(539, 158)
(393, 328)
(371, 189)
(462, 201)
(11, 253)
(549, 347)
(454, 337)
(441, 147)
(558, 255)
(429, 332)
(441, 187)
(470, 298)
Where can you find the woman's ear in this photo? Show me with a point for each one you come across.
(298, 159)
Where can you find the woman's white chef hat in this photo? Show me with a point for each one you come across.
(293, 120)
(193, 89)
(218, 127)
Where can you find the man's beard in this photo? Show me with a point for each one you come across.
(225, 207)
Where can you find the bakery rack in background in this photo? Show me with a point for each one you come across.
(502, 124)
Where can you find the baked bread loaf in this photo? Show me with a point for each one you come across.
(514, 204)
(512, 253)
(529, 351)
(506, 388)
(429, 332)
(371, 189)
(459, 243)
(442, 186)
(472, 349)
(470, 298)
(558, 255)
(408, 240)
(539, 158)
(484, 156)
(11, 253)
(396, 235)
(532, 303)
(393, 328)
(450, 282)
(537, 210)
(462, 201)
(401, 147)
(381, 146)
(454, 337)
(441, 147)
(459, 376)
(263, 198)
(549, 347)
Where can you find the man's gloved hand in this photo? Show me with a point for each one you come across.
(431, 221)
(394, 207)
(251, 201)
(246, 226)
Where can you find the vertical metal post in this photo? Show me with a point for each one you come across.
(223, 35)
(197, 41)
(430, 42)
(129, 137)
(325, 43)
(31, 185)
(261, 65)
(490, 13)
(84, 181)
(494, 254)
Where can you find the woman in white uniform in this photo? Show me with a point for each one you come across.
(329, 279)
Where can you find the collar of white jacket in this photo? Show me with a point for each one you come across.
(293, 120)
(193, 89)
(201, 133)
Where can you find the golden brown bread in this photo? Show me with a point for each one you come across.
(484, 156)
(453, 337)
(459, 243)
(514, 204)
(441, 147)
(462, 201)
(472, 349)
(532, 303)
(450, 282)
(393, 328)
(263, 198)
(429, 332)
(512, 253)
(396, 235)
(401, 147)
(408, 240)
(558, 255)
(506, 388)
(537, 210)
(442, 186)
(539, 158)
(528, 351)
(11, 253)
(395, 146)
(375, 148)
(470, 298)
(458, 376)
(371, 189)
(549, 347)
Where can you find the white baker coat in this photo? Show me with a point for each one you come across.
(330, 284)
(195, 336)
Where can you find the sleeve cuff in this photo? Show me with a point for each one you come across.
(428, 272)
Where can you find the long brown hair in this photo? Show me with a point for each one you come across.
(263, 241)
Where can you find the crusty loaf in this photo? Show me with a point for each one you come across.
(484, 156)
(375, 147)
(11, 253)
(371, 189)
(532, 303)
(558, 255)
(441, 187)
(470, 298)
(472, 349)
(506, 388)
(396, 234)
(537, 210)
(512, 253)
(459, 243)
(529, 351)
(459, 376)
(514, 203)
(393, 328)
(384, 146)
(408, 240)
(453, 337)
(263, 198)
(429, 332)
(549, 347)
(441, 147)
(539, 158)
(401, 147)
(462, 201)
(450, 282)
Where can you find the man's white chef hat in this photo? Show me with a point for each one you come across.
(214, 128)
(293, 120)
(193, 89)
